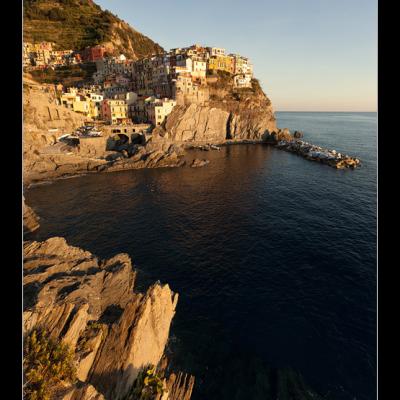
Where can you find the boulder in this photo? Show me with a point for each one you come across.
(199, 163)
(298, 134)
(30, 219)
(275, 137)
(79, 391)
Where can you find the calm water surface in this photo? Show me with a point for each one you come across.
(274, 257)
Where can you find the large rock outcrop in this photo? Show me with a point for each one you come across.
(230, 114)
(90, 305)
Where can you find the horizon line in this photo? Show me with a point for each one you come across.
(337, 111)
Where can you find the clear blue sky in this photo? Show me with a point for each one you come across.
(309, 55)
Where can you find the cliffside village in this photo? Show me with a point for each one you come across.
(142, 91)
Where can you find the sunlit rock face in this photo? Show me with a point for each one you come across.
(90, 304)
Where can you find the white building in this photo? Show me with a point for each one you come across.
(96, 97)
(215, 51)
(159, 109)
(185, 63)
(242, 80)
(199, 68)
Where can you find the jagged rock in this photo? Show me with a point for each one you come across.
(31, 220)
(76, 277)
(90, 304)
(87, 350)
(275, 137)
(199, 163)
(180, 386)
(76, 326)
(298, 134)
(79, 391)
(95, 164)
(137, 339)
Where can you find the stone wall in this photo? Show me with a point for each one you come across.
(92, 146)
(200, 95)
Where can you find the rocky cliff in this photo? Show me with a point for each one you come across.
(229, 114)
(90, 305)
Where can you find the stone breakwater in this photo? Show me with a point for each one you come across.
(317, 153)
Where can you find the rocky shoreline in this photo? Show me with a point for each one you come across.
(113, 331)
(63, 166)
(53, 167)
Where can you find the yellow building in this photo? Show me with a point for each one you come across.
(94, 100)
(115, 111)
(221, 63)
(242, 65)
(68, 99)
(81, 102)
(81, 105)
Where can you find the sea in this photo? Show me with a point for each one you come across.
(273, 257)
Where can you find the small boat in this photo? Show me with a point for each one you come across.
(94, 133)
(63, 136)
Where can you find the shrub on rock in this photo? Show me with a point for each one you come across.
(47, 362)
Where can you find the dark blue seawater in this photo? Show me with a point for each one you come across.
(274, 256)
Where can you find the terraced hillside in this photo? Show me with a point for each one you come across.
(75, 24)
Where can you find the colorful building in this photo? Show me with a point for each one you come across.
(95, 101)
(93, 54)
(221, 63)
(159, 109)
(241, 64)
(81, 105)
(115, 111)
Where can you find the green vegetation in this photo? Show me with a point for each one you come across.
(222, 79)
(68, 75)
(147, 385)
(255, 86)
(240, 94)
(95, 325)
(47, 362)
(75, 24)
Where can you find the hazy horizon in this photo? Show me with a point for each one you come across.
(309, 55)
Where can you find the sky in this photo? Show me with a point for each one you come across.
(309, 55)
